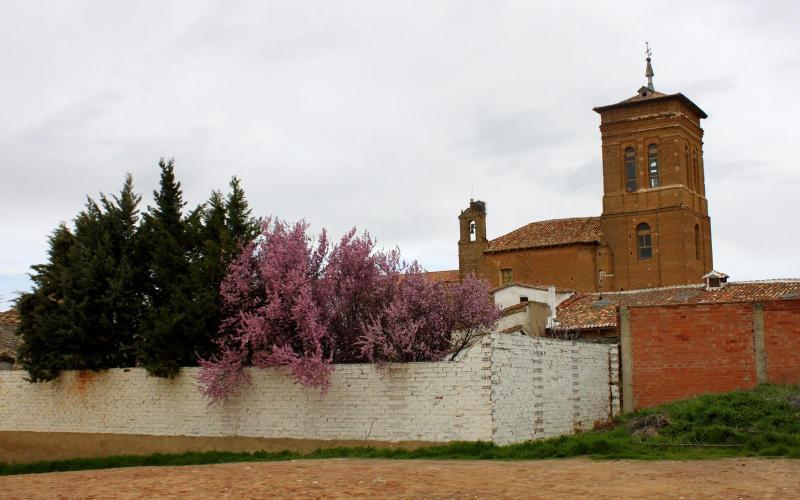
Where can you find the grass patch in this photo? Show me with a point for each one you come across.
(761, 422)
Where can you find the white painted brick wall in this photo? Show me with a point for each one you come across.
(547, 387)
(507, 389)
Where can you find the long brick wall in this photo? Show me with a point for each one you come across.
(679, 351)
(507, 389)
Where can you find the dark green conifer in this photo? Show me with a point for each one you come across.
(87, 300)
(42, 322)
(171, 328)
(242, 226)
(119, 293)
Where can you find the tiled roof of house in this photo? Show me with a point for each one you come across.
(513, 329)
(8, 337)
(550, 233)
(507, 311)
(443, 276)
(587, 311)
(531, 285)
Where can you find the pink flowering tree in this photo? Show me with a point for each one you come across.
(296, 304)
(426, 320)
(270, 316)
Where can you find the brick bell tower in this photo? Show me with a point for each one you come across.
(655, 213)
(472, 240)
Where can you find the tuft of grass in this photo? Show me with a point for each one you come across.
(764, 421)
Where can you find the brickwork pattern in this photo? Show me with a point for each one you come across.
(567, 266)
(504, 389)
(680, 351)
(547, 387)
(782, 341)
(415, 401)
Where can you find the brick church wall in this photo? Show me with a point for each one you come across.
(568, 266)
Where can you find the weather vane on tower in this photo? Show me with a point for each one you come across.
(649, 71)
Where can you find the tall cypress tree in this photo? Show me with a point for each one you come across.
(226, 225)
(42, 321)
(210, 268)
(103, 297)
(84, 309)
(88, 335)
(118, 293)
(241, 224)
(171, 328)
(124, 278)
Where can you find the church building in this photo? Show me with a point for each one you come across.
(654, 230)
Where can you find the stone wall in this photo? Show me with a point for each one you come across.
(506, 388)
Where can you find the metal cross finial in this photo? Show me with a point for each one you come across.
(649, 70)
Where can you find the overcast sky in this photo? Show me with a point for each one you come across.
(388, 116)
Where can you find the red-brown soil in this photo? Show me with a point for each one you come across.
(345, 478)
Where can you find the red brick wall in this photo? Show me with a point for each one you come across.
(782, 341)
(568, 266)
(683, 351)
(687, 350)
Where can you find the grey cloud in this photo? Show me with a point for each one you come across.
(385, 116)
(509, 133)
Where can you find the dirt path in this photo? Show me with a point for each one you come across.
(732, 478)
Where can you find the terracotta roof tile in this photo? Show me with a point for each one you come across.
(514, 309)
(647, 97)
(513, 329)
(9, 341)
(549, 233)
(531, 285)
(651, 96)
(443, 276)
(592, 310)
(9, 318)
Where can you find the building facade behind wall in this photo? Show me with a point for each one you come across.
(654, 230)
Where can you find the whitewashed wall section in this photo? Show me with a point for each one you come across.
(508, 388)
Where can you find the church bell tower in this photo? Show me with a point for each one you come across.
(655, 212)
(472, 238)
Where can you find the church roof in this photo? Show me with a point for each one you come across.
(549, 233)
(443, 276)
(533, 286)
(588, 311)
(652, 95)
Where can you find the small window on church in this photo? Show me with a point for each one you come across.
(506, 276)
(473, 233)
(698, 242)
(652, 165)
(644, 241)
(630, 170)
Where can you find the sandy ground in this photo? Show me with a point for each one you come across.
(344, 478)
